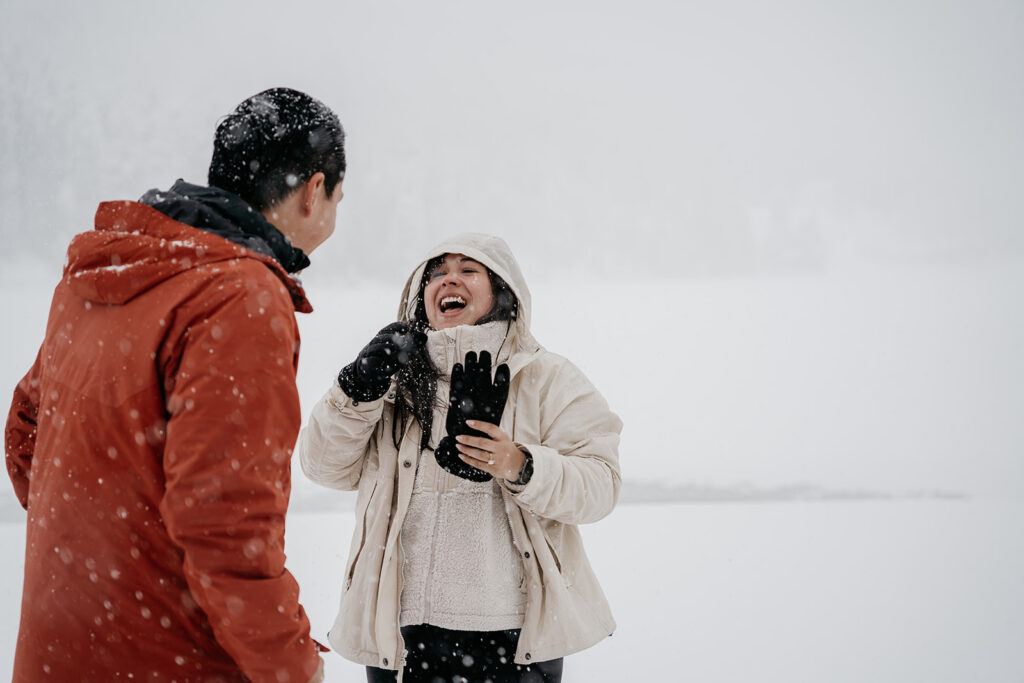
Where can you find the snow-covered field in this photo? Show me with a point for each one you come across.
(895, 382)
(886, 592)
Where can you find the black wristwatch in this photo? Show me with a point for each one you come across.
(526, 473)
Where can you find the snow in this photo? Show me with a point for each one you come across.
(684, 137)
(892, 380)
(810, 420)
(782, 238)
(888, 592)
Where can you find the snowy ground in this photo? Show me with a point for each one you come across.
(865, 384)
(887, 592)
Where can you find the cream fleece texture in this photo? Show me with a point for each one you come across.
(461, 568)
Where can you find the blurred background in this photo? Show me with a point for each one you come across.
(785, 239)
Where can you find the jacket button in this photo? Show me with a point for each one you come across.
(528, 656)
(527, 554)
(406, 464)
(385, 661)
(391, 396)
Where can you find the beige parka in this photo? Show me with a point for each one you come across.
(553, 411)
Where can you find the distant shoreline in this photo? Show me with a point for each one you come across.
(657, 492)
(633, 492)
(641, 492)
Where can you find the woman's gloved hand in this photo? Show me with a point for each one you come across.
(368, 377)
(474, 396)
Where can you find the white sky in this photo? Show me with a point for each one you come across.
(695, 138)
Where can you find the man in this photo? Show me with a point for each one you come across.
(150, 442)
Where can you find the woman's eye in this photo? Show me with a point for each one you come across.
(436, 274)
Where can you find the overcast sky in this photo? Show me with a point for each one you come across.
(669, 138)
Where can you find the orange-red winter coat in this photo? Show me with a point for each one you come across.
(150, 444)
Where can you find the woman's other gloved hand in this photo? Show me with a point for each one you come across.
(368, 377)
(474, 396)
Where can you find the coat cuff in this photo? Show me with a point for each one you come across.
(343, 403)
(525, 494)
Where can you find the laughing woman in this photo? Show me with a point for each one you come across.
(466, 562)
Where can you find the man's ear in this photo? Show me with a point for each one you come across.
(312, 192)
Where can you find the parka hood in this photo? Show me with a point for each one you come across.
(491, 251)
(135, 247)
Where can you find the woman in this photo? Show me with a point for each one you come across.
(466, 562)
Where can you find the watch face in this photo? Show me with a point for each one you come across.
(527, 471)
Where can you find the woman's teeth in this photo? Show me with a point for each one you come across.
(450, 302)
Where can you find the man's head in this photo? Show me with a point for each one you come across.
(283, 152)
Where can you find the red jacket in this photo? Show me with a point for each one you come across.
(150, 444)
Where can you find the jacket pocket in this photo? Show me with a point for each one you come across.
(358, 545)
(558, 562)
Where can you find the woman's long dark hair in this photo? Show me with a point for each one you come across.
(417, 382)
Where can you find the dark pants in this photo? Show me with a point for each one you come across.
(437, 655)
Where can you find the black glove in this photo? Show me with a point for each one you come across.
(473, 397)
(369, 376)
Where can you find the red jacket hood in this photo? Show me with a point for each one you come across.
(135, 247)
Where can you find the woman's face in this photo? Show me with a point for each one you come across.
(458, 292)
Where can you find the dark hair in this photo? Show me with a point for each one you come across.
(417, 382)
(274, 142)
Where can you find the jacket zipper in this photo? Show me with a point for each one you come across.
(440, 479)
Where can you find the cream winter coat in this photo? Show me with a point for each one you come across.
(554, 412)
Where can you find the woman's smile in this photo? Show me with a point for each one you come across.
(458, 292)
